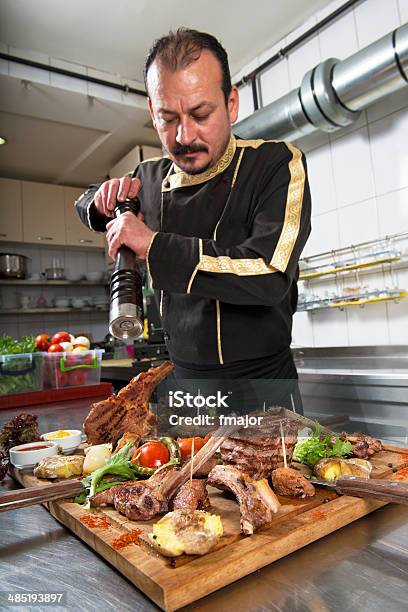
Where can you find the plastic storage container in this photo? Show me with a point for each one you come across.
(63, 370)
(21, 373)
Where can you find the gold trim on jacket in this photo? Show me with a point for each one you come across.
(182, 179)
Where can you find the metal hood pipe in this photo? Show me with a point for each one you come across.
(332, 94)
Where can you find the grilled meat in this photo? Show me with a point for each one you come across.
(128, 411)
(363, 445)
(192, 495)
(287, 481)
(258, 451)
(107, 497)
(257, 501)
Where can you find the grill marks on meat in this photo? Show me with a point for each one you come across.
(192, 495)
(259, 451)
(287, 481)
(257, 501)
(364, 446)
(128, 411)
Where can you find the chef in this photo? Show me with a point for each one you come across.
(222, 225)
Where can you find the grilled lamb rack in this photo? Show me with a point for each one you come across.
(257, 501)
(128, 411)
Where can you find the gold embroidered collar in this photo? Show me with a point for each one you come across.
(182, 179)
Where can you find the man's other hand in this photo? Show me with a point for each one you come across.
(113, 190)
(131, 231)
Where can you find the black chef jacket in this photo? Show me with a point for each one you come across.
(224, 258)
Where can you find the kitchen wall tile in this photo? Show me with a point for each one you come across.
(66, 82)
(398, 314)
(388, 139)
(312, 141)
(246, 106)
(10, 329)
(302, 333)
(393, 212)
(330, 328)
(358, 223)
(374, 19)
(403, 10)
(368, 326)
(329, 8)
(99, 329)
(302, 59)
(353, 174)
(75, 262)
(321, 180)
(95, 262)
(339, 39)
(324, 235)
(359, 123)
(274, 82)
(388, 105)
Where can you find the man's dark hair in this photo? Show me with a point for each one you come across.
(179, 49)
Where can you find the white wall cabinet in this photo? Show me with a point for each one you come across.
(77, 234)
(43, 213)
(11, 213)
(40, 213)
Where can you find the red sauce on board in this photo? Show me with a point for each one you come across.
(128, 538)
(318, 514)
(94, 521)
(402, 474)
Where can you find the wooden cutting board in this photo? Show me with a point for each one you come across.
(172, 584)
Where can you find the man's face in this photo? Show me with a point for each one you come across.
(189, 112)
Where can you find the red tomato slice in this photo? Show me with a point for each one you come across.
(185, 445)
(151, 455)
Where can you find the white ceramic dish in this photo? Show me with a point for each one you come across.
(94, 276)
(21, 458)
(69, 443)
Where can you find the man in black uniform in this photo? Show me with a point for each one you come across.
(223, 220)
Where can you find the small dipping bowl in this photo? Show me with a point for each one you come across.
(68, 443)
(28, 455)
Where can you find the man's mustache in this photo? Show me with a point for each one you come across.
(193, 148)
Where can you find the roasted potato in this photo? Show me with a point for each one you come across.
(193, 532)
(60, 466)
(334, 467)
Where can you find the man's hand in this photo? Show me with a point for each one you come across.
(130, 230)
(113, 190)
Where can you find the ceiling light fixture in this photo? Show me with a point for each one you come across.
(3, 140)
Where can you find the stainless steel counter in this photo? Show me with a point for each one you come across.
(361, 567)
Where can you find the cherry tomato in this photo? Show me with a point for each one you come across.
(55, 348)
(62, 378)
(77, 378)
(151, 455)
(185, 445)
(42, 342)
(61, 336)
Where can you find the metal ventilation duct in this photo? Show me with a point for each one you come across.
(333, 93)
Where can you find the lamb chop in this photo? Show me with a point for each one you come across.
(193, 495)
(128, 411)
(257, 501)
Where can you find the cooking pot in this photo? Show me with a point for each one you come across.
(13, 265)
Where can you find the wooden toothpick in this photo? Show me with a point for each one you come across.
(285, 463)
(192, 461)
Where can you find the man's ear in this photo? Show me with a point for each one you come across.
(149, 103)
(233, 104)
